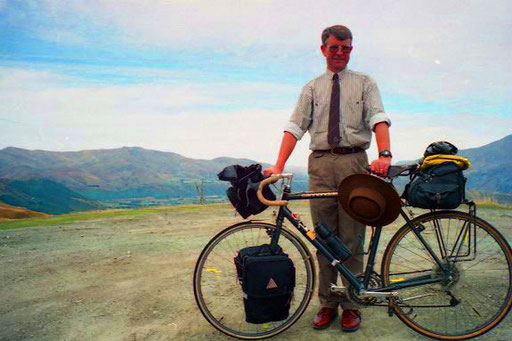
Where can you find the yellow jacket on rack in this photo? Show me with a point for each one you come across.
(437, 159)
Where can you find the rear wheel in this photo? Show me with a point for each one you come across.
(477, 291)
(219, 294)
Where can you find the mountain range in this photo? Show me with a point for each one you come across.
(109, 169)
(491, 166)
(123, 177)
(61, 182)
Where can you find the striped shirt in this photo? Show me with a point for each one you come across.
(360, 104)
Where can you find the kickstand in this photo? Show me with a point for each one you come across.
(391, 304)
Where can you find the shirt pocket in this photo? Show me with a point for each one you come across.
(320, 121)
(354, 119)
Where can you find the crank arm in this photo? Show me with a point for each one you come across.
(379, 294)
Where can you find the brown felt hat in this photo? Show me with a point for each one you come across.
(369, 199)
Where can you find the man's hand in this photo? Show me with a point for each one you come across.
(272, 170)
(381, 166)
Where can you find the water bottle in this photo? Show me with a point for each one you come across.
(333, 241)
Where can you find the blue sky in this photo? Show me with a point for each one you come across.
(208, 79)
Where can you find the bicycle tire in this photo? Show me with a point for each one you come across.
(215, 265)
(481, 281)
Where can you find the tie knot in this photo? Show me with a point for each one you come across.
(335, 77)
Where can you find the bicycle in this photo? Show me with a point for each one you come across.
(446, 274)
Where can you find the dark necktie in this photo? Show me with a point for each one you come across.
(333, 136)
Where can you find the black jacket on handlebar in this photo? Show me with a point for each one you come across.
(244, 185)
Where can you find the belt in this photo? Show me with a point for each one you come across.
(342, 150)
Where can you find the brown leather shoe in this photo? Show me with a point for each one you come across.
(324, 317)
(350, 320)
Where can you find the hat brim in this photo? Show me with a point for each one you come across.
(393, 203)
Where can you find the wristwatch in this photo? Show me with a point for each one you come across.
(385, 153)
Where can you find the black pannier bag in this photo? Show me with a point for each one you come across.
(244, 185)
(438, 187)
(268, 278)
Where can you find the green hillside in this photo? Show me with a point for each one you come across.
(45, 196)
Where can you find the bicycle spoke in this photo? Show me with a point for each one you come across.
(448, 233)
(414, 253)
(483, 259)
(227, 260)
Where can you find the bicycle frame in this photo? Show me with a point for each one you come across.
(359, 285)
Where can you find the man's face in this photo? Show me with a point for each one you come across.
(337, 53)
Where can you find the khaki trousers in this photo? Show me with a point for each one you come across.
(326, 171)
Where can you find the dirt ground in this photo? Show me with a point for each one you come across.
(130, 278)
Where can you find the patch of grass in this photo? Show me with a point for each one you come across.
(74, 217)
(492, 204)
(491, 200)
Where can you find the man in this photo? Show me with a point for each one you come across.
(340, 109)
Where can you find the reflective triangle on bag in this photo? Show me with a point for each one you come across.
(271, 284)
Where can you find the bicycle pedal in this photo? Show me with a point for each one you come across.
(339, 290)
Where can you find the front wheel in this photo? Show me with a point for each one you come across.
(217, 290)
(476, 292)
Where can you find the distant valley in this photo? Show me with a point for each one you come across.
(62, 182)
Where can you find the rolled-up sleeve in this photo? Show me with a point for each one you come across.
(373, 108)
(301, 117)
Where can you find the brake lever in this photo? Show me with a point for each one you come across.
(369, 170)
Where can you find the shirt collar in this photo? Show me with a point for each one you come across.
(329, 73)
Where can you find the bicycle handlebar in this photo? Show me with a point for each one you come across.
(393, 172)
(270, 180)
(396, 170)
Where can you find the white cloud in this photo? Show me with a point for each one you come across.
(14, 78)
(62, 36)
(426, 49)
(39, 112)
(53, 92)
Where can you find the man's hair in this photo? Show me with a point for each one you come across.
(340, 32)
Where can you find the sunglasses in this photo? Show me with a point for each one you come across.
(344, 48)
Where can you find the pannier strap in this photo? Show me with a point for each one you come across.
(437, 159)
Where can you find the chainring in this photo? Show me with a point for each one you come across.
(375, 282)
